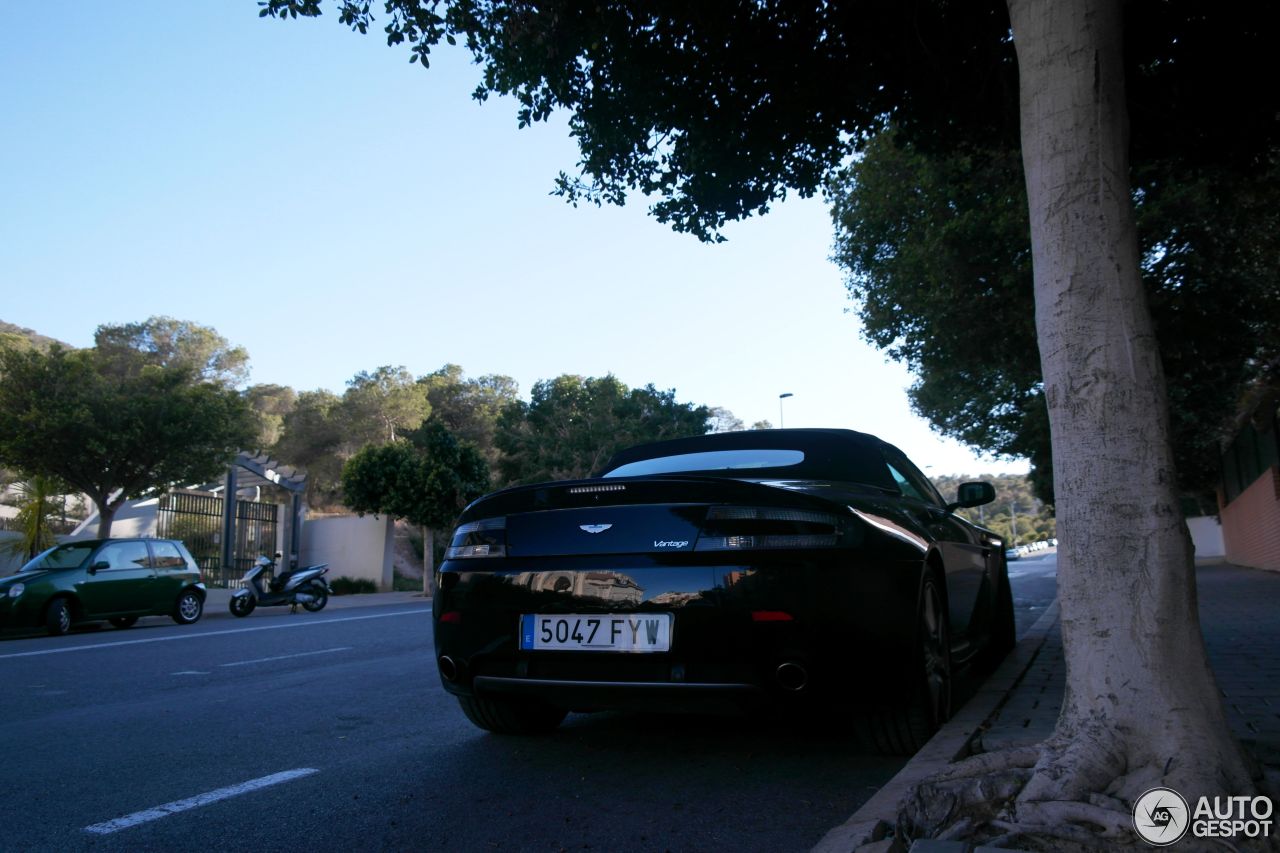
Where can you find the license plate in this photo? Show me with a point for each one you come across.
(596, 632)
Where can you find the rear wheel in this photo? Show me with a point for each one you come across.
(901, 728)
(320, 597)
(188, 608)
(511, 716)
(57, 617)
(242, 605)
(123, 621)
(1003, 633)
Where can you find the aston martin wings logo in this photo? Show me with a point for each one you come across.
(594, 528)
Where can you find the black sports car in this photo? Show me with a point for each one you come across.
(802, 566)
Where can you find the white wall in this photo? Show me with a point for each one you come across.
(353, 546)
(134, 518)
(1206, 535)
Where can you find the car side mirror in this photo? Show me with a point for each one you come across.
(973, 494)
(101, 564)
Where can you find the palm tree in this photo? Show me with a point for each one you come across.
(39, 502)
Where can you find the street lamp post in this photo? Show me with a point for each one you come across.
(782, 423)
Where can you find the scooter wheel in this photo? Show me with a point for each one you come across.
(319, 597)
(242, 605)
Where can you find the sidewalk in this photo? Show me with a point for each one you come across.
(1019, 703)
(216, 602)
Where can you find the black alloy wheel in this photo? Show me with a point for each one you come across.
(935, 647)
(1003, 633)
(900, 726)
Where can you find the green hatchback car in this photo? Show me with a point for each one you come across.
(117, 580)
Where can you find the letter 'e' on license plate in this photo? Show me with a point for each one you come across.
(596, 632)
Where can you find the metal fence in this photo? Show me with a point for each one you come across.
(196, 519)
(57, 525)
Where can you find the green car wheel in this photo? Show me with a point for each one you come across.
(57, 618)
(188, 608)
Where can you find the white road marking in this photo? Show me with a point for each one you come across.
(191, 672)
(286, 657)
(185, 636)
(110, 826)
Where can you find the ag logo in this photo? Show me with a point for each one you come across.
(1161, 817)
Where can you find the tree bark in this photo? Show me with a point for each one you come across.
(1141, 707)
(428, 560)
(106, 515)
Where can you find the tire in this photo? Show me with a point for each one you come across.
(904, 727)
(123, 621)
(1003, 631)
(242, 605)
(321, 597)
(511, 716)
(58, 617)
(188, 608)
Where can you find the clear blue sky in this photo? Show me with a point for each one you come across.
(318, 200)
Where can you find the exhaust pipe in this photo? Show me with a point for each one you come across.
(448, 668)
(791, 676)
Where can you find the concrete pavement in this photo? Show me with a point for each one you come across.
(1019, 703)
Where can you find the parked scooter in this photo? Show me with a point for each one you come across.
(305, 586)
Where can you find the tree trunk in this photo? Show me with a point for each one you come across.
(428, 560)
(1141, 707)
(106, 515)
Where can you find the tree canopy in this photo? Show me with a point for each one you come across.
(572, 425)
(936, 244)
(115, 434)
(166, 342)
(427, 478)
(470, 406)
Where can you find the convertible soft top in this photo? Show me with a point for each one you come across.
(828, 454)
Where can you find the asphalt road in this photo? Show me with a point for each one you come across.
(1034, 583)
(330, 732)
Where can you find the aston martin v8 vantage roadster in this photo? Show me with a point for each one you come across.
(803, 567)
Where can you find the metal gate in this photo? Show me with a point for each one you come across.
(196, 519)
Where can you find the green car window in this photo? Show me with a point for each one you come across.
(125, 555)
(60, 557)
(167, 555)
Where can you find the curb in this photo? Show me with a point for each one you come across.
(873, 822)
(217, 599)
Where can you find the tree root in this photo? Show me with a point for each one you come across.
(1022, 757)
(985, 799)
(981, 798)
(1108, 823)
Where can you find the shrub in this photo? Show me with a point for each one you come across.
(352, 586)
(404, 583)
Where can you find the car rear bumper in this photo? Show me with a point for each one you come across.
(581, 695)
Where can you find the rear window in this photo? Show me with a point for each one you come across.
(712, 460)
(834, 455)
(167, 555)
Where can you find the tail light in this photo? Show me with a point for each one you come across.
(736, 528)
(484, 538)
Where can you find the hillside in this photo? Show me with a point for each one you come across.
(10, 331)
